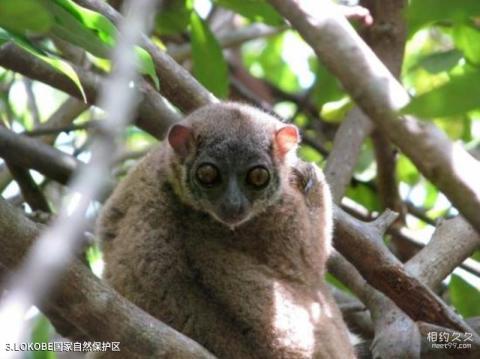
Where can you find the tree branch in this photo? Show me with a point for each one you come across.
(389, 321)
(154, 115)
(176, 83)
(92, 306)
(346, 149)
(453, 241)
(380, 96)
(31, 101)
(34, 279)
(440, 312)
(230, 39)
(41, 132)
(30, 191)
(64, 115)
(468, 264)
(29, 153)
(384, 272)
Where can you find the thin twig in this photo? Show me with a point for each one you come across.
(28, 187)
(57, 130)
(31, 101)
(30, 153)
(231, 39)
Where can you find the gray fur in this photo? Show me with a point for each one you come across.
(256, 291)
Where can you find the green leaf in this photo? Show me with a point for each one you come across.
(459, 95)
(254, 10)
(42, 333)
(23, 16)
(431, 195)
(92, 20)
(467, 128)
(146, 65)
(335, 111)
(138, 140)
(407, 172)
(94, 33)
(335, 282)
(209, 65)
(309, 154)
(69, 28)
(453, 125)
(421, 13)
(438, 62)
(173, 18)
(365, 196)
(364, 167)
(327, 87)
(274, 68)
(57, 63)
(5, 36)
(464, 296)
(467, 39)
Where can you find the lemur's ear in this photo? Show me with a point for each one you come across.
(286, 139)
(181, 139)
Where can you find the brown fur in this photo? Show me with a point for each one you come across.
(253, 292)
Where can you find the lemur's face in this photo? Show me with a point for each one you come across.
(231, 181)
(230, 159)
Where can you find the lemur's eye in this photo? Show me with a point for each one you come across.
(258, 177)
(208, 175)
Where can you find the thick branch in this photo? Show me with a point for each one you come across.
(93, 307)
(384, 272)
(452, 242)
(380, 96)
(389, 321)
(402, 234)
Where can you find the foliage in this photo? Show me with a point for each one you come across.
(464, 296)
(254, 10)
(452, 56)
(209, 66)
(41, 333)
(68, 21)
